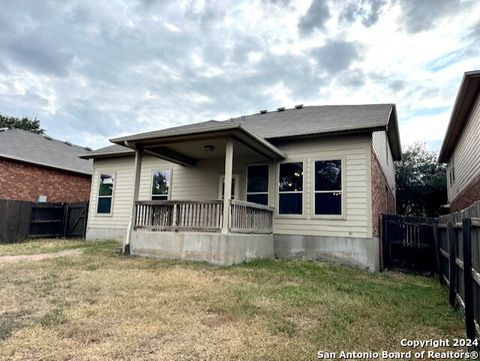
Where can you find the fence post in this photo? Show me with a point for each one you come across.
(452, 245)
(438, 255)
(65, 219)
(467, 278)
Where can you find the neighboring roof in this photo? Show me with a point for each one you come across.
(107, 152)
(42, 150)
(466, 96)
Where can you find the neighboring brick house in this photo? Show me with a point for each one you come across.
(461, 146)
(39, 168)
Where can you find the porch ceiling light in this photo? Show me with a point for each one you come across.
(209, 148)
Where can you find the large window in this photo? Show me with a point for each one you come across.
(161, 185)
(290, 188)
(257, 184)
(328, 187)
(105, 193)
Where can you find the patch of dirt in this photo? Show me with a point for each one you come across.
(40, 256)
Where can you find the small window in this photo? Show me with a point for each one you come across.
(257, 184)
(328, 187)
(161, 185)
(105, 194)
(290, 188)
(452, 171)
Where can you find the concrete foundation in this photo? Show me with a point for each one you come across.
(215, 248)
(363, 253)
(106, 234)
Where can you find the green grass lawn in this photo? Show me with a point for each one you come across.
(102, 305)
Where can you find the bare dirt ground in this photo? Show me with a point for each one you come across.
(40, 257)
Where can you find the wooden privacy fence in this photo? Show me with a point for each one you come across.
(407, 243)
(458, 266)
(20, 220)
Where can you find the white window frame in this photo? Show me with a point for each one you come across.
(342, 191)
(268, 183)
(221, 180)
(277, 192)
(114, 176)
(169, 186)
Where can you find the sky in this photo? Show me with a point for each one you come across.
(92, 70)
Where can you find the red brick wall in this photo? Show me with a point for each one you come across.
(467, 197)
(24, 181)
(383, 200)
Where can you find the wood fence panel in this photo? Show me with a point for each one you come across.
(20, 220)
(14, 220)
(462, 229)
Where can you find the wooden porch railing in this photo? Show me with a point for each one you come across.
(248, 217)
(202, 216)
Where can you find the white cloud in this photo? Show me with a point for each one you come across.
(92, 71)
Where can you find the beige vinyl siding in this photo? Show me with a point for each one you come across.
(355, 152)
(193, 183)
(188, 183)
(465, 155)
(202, 183)
(123, 169)
(382, 150)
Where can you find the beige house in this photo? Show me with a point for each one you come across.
(308, 182)
(461, 146)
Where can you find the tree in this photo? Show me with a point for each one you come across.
(32, 125)
(421, 182)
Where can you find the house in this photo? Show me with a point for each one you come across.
(308, 182)
(461, 146)
(39, 168)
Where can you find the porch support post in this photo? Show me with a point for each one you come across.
(228, 186)
(136, 189)
(138, 170)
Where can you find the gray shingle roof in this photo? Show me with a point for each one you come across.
(308, 120)
(317, 120)
(293, 122)
(111, 150)
(38, 149)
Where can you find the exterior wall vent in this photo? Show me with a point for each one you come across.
(281, 109)
(263, 111)
(299, 106)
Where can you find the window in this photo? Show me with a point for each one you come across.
(105, 193)
(451, 173)
(257, 184)
(290, 188)
(161, 185)
(328, 187)
(221, 191)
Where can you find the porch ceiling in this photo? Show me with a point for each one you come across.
(187, 148)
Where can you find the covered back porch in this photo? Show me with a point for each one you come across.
(200, 227)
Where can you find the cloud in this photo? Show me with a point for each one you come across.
(422, 15)
(367, 11)
(315, 17)
(94, 70)
(336, 55)
(39, 54)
